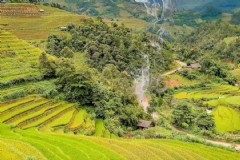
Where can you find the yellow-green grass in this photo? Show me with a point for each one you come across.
(63, 120)
(236, 74)
(35, 113)
(18, 59)
(7, 105)
(68, 147)
(13, 149)
(24, 89)
(231, 100)
(209, 92)
(224, 98)
(7, 114)
(39, 28)
(78, 119)
(178, 80)
(14, 9)
(226, 119)
(39, 120)
(229, 40)
(33, 28)
(99, 128)
(46, 114)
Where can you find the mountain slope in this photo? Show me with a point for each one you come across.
(68, 147)
(19, 60)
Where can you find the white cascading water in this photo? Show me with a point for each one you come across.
(142, 83)
(153, 7)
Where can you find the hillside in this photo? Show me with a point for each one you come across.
(33, 144)
(19, 60)
(19, 10)
(221, 100)
(49, 115)
(29, 27)
(105, 80)
(38, 28)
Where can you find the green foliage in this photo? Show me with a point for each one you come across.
(205, 121)
(115, 45)
(47, 66)
(110, 101)
(212, 44)
(66, 52)
(55, 45)
(216, 68)
(235, 18)
(183, 114)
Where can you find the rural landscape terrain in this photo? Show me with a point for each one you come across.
(119, 80)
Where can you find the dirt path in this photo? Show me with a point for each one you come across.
(214, 142)
(181, 65)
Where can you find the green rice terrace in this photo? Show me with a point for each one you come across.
(37, 128)
(224, 102)
(48, 115)
(19, 60)
(104, 86)
(32, 144)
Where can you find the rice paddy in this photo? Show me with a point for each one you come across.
(224, 99)
(26, 144)
(19, 60)
(35, 111)
(226, 119)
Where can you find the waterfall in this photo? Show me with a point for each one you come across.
(161, 11)
(142, 83)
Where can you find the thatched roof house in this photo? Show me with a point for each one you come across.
(145, 124)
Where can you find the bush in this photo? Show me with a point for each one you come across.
(183, 115)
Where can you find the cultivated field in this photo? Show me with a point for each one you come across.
(15, 9)
(18, 60)
(49, 115)
(32, 144)
(40, 27)
(224, 99)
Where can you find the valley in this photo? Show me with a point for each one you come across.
(119, 80)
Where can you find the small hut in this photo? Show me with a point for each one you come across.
(143, 124)
(63, 28)
(41, 10)
(3, 1)
(194, 66)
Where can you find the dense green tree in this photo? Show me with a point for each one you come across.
(67, 52)
(47, 66)
(205, 121)
(183, 114)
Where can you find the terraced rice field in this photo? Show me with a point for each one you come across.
(225, 100)
(18, 59)
(40, 27)
(211, 92)
(14, 9)
(25, 144)
(100, 130)
(226, 119)
(24, 89)
(35, 111)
